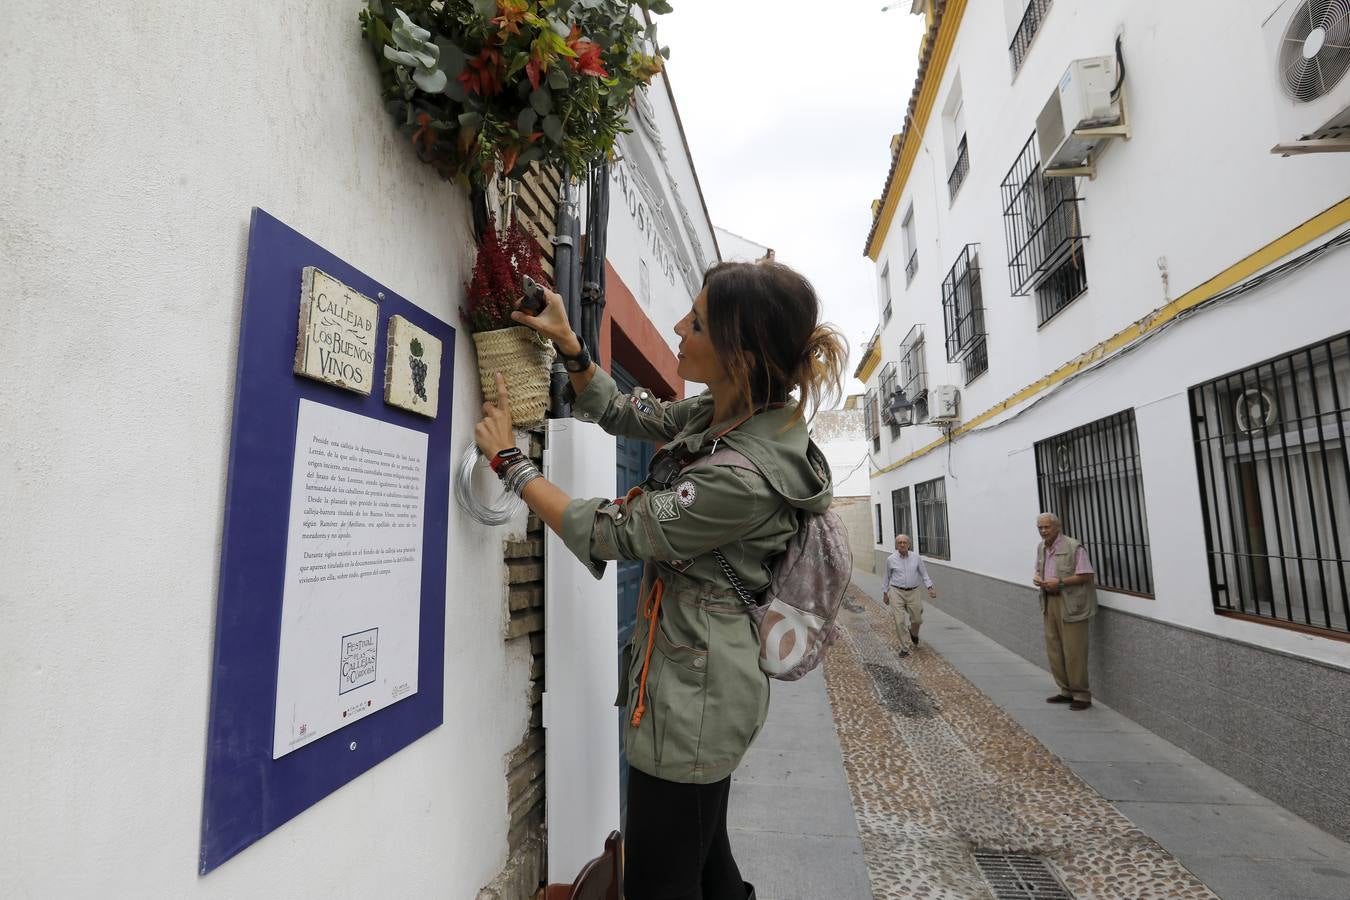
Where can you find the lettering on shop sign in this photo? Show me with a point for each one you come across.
(336, 341)
(647, 222)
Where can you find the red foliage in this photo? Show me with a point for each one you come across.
(495, 286)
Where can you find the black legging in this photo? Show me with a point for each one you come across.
(675, 841)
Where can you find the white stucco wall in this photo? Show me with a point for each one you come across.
(839, 433)
(739, 249)
(124, 206)
(1197, 189)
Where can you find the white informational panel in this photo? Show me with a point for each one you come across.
(581, 754)
(352, 598)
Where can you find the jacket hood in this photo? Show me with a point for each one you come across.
(787, 457)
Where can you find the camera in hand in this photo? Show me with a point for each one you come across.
(533, 302)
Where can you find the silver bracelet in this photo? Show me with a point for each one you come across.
(521, 475)
(519, 487)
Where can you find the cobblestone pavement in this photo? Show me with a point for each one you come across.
(938, 771)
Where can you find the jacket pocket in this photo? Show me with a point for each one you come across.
(677, 700)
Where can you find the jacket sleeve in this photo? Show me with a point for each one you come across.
(707, 508)
(640, 414)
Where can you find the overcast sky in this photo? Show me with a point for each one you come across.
(789, 108)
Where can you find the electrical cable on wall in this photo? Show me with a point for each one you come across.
(497, 513)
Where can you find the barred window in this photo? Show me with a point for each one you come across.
(963, 313)
(889, 386)
(900, 511)
(1042, 227)
(872, 419)
(930, 499)
(886, 293)
(1032, 17)
(1274, 471)
(914, 373)
(1090, 477)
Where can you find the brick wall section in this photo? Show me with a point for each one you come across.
(526, 844)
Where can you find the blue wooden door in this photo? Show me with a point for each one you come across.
(632, 459)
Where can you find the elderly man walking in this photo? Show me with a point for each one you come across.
(1068, 600)
(900, 590)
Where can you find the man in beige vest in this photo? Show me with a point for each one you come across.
(1068, 600)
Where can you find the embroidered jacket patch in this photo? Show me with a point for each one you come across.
(664, 506)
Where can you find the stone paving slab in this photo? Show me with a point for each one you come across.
(791, 818)
(937, 770)
(1242, 845)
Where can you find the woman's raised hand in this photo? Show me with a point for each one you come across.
(551, 321)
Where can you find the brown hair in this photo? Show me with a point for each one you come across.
(763, 319)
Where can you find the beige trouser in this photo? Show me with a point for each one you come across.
(1066, 645)
(906, 601)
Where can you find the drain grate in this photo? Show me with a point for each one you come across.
(1015, 876)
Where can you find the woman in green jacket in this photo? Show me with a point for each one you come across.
(694, 693)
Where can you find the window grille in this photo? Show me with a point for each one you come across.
(911, 245)
(886, 293)
(976, 362)
(889, 385)
(1061, 288)
(960, 170)
(963, 304)
(1040, 220)
(872, 419)
(930, 498)
(1274, 471)
(914, 373)
(900, 512)
(1032, 18)
(1090, 477)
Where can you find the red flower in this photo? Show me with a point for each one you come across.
(587, 59)
(512, 13)
(495, 285)
(484, 73)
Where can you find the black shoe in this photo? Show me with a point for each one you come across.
(749, 890)
(1059, 698)
(915, 639)
(1080, 704)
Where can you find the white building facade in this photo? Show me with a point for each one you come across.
(1146, 330)
(125, 255)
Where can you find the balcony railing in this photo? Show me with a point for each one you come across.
(911, 267)
(960, 170)
(1026, 32)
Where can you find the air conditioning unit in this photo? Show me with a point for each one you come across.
(1308, 54)
(1080, 102)
(944, 404)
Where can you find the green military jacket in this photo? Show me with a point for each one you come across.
(706, 698)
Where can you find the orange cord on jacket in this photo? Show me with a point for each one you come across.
(651, 611)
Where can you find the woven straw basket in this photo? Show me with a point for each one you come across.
(525, 359)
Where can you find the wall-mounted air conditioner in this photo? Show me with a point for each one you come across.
(944, 404)
(1308, 54)
(1080, 117)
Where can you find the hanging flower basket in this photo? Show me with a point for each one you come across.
(523, 358)
(482, 84)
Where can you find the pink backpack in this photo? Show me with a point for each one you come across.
(797, 612)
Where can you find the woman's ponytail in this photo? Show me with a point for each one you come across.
(821, 371)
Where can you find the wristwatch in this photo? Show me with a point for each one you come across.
(577, 363)
(503, 457)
